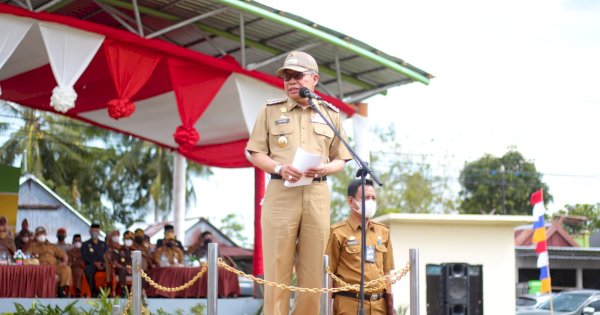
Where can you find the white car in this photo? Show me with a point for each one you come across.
(530, 301)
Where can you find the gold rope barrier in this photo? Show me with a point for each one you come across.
(175, 289)
(391, 278)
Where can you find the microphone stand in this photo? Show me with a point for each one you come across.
(362, 172)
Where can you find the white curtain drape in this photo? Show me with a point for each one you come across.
(14, 30)
(70, 52)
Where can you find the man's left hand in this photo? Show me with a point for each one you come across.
(316, 172)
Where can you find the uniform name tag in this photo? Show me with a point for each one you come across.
(316, 118)
(352, 242)
(370, 256)
(282, 121)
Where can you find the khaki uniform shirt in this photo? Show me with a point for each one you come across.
(282, 126)
(46, 253)
(344, 248)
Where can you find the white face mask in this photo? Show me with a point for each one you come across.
(77, 244)
(370, 207)
(115, 239)
(128, 242)
(41, 238)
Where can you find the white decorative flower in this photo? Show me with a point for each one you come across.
(63, 98)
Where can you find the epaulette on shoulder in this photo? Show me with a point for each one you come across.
(379, 223)
(335, 109)
(276, 101)
(337, 225)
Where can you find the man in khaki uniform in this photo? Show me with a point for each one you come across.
(295, 220)
(344, 250)
(49, 254)
(168, 254)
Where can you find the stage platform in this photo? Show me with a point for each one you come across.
(241, 306)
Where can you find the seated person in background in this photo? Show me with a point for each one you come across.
(200, 248)
(50, 254)
(138, 244)
(169, 228)
(169, 254)
(76, 263)
(61, 235)
(92, 252)
(7, 241)
(23, 236)
(121, 261)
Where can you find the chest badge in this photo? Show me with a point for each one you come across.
(283, 109)
(282, 141)
(91, 250)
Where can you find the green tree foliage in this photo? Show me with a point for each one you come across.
(592, 212)
(500, 185)
(232, 226)
(118, 180)
(409, 186)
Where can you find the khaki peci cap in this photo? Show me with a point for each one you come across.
(299, 61)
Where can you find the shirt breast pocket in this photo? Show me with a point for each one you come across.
(351, 254)
(281, 137)
(381, 250)
(324, 135)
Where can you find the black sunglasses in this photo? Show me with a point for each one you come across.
(286, 76)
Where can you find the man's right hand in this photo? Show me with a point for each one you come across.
(99, 265)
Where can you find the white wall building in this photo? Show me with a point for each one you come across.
(486, 240)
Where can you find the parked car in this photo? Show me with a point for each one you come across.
(530, 301)
(576, 302)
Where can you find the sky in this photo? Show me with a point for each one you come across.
(520, 74)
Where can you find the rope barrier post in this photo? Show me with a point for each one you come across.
(414, 281)
(116, 310)
(136, 286)
(213, 284)
(325, 301)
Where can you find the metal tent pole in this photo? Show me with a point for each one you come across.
(136, 286)
(325, 300)
(414, 281)
(213, 273)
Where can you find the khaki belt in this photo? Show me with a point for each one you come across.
(318, 179)
(356, 295)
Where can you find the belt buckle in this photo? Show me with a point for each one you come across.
(375, 297)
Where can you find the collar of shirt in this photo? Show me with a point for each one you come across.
(354, 221)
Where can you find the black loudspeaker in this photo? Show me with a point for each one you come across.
(454, 289)
(435, 298)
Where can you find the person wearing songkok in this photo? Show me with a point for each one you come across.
(138, 244)
(76, 263)
(169, 254)
(49, 254)
(92, 252)
(61, 235)
(170, 228)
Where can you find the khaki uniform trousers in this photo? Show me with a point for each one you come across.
(295, 230)
(64, 275)
(345, 305)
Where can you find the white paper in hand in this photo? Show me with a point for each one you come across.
(302, 161)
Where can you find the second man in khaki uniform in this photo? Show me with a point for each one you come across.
(344, 250)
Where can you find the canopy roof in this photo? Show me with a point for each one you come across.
(197, 70)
